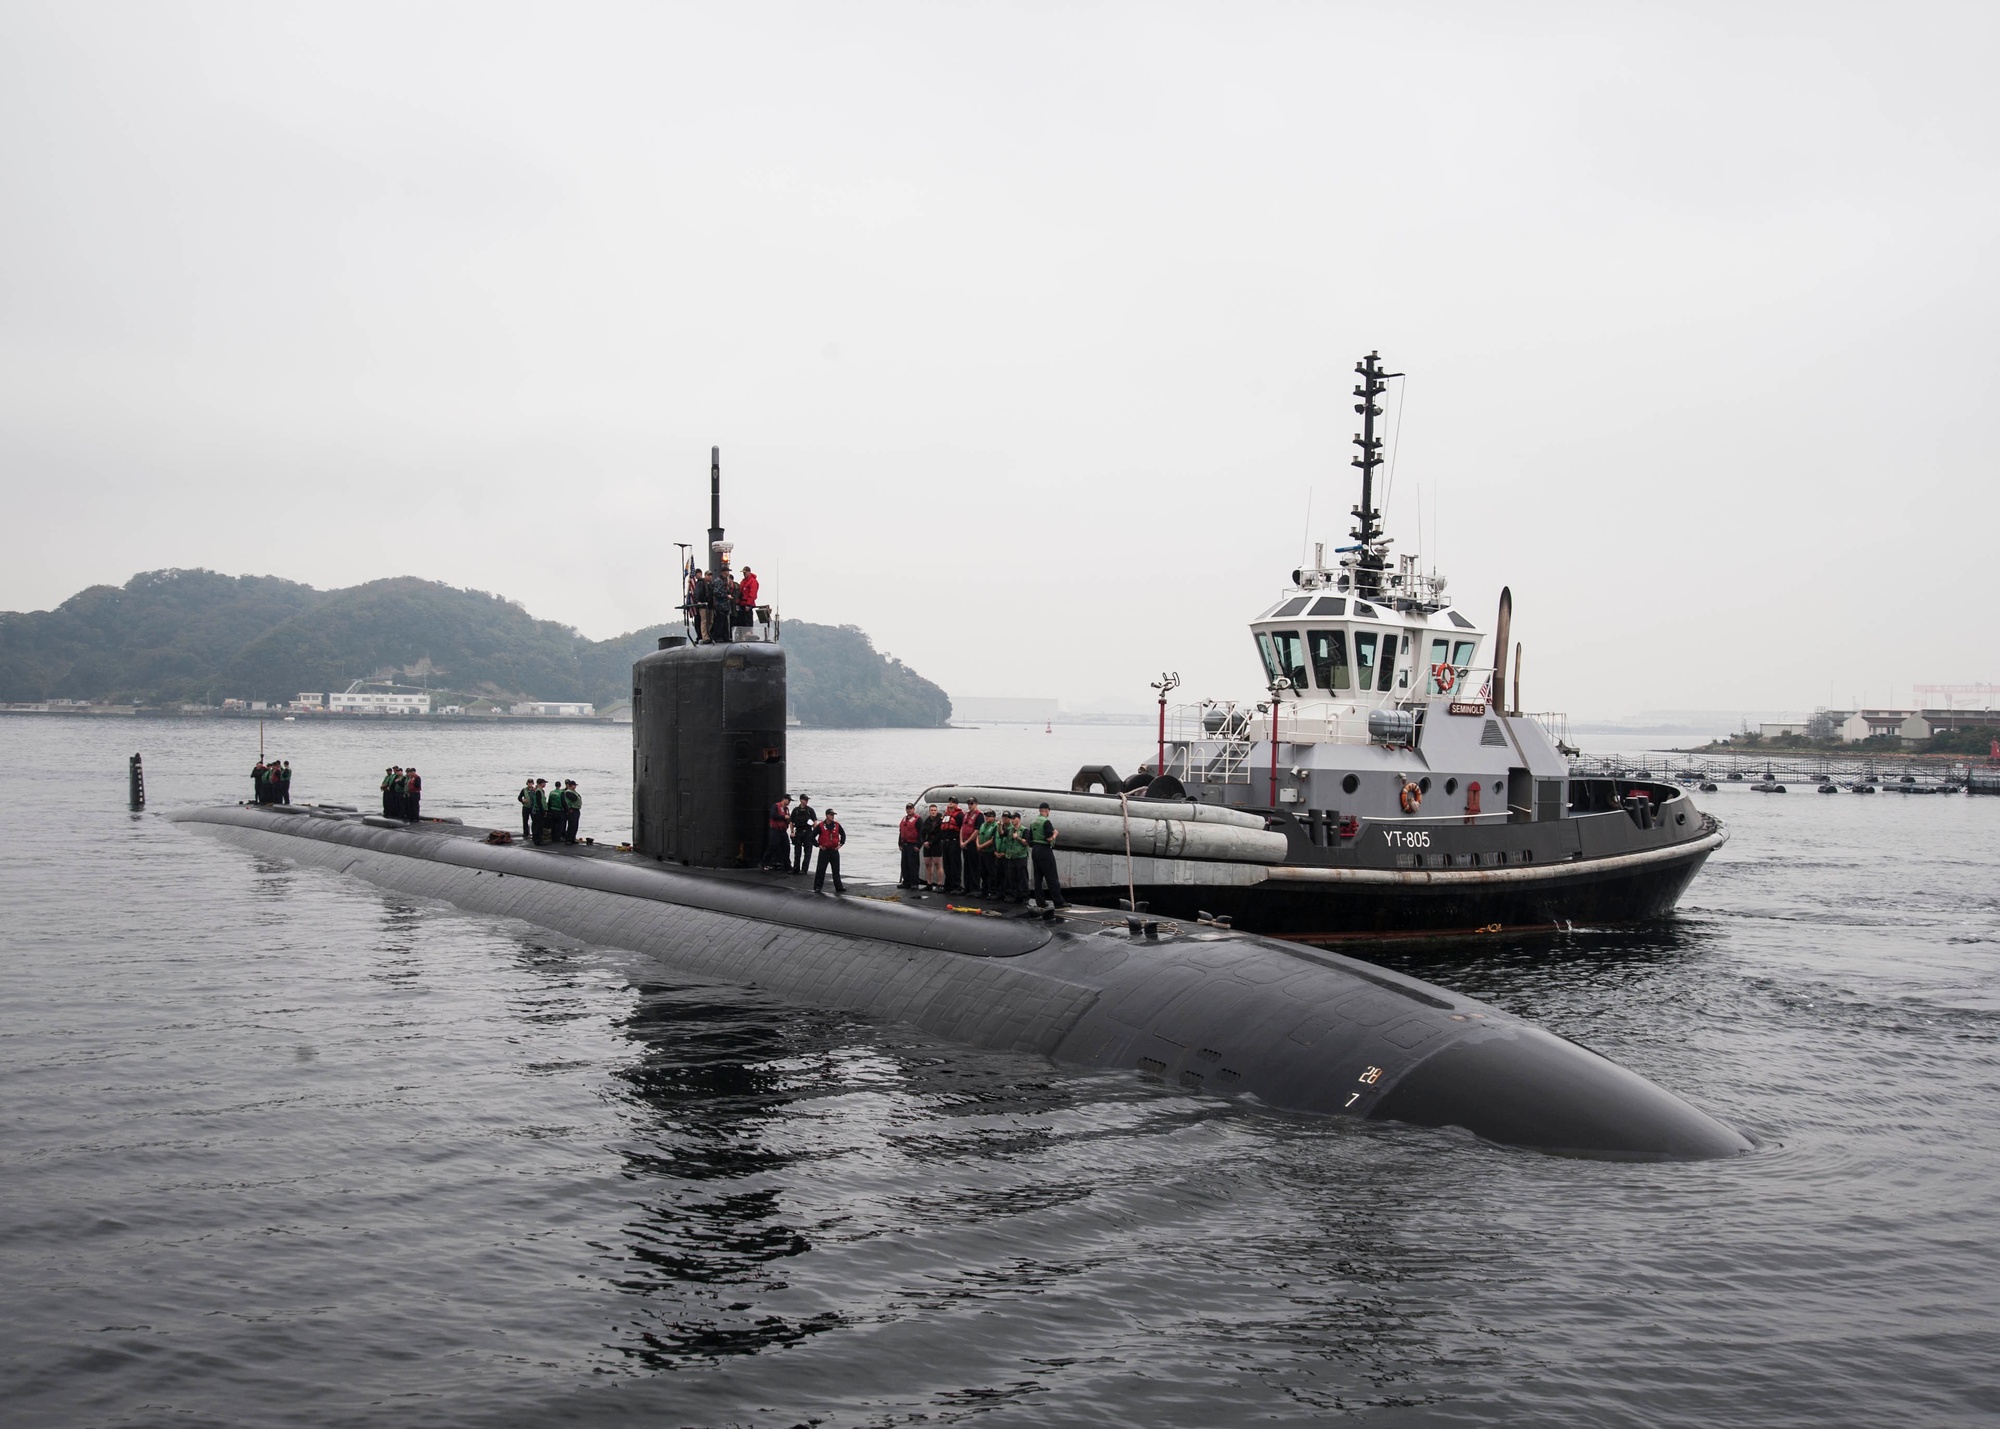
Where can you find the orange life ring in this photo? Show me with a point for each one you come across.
(1412, 798)
(1444, 676)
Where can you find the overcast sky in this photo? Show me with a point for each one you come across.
(1027, 330)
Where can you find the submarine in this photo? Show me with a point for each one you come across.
(1193, 1005)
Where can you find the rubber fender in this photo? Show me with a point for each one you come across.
(1166, 787)
(1099, 775)
(1137, 784)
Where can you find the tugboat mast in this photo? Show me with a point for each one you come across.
(1369, 558)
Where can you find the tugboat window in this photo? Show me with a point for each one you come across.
(1462, 656)
(1388, 680)
(1451, 786)
(1292, 606)
(1362, 607)
(1439, 650)
(1330, 605)
(1291, 655)
(1364, 656)
(1271, 670)
(1350, 784)
(1329, 657)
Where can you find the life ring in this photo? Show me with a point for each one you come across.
(1444, 676)
(1412, 798)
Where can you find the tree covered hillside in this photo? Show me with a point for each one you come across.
(196, 636)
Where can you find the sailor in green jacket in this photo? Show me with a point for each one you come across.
(538, 810)
(1041, 845)
(572, 810)
(526, 800)
(1012, 847)
(388, 790)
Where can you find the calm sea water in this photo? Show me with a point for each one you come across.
(280, 1148)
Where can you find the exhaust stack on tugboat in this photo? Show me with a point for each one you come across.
(1409, 798)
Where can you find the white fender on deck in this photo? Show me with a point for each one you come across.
(1183, 810)
(1160, 829)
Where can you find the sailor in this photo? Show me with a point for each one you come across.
(968, 849)
(388, 790)
(804, 821)
(777, 851)
(726, 599)
(747, 592)
(538, 810)
(1042, 837)
(413, 794)
(831, 837)
(985, 856)
(1012, 847)
(399, 793)
(954, 863)
(572, 810)
(526, 800)
(257, 778)
(908, 838)
(284, 782)
(930, 832)
(701, 599)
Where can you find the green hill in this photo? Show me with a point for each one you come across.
(199, 637)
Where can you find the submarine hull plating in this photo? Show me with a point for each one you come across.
(1203, 1009)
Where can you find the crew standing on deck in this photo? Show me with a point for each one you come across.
(931, 832)
(538, 811)
(747, 592)
(777, 838)
(948, 827)
(413, 794)
(968, 848)
(1012, 843)
(284, 782)
(388, 788)
(831, 837)
(1042, 835)
(572, 810)
(257, 779)
(701, 600)
(909, 836)
(526, 799)
(804, 830)
(986, 856)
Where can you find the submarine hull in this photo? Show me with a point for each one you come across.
(1203, 1009)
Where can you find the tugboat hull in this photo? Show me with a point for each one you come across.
(1328, 905)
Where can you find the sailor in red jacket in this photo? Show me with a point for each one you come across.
(909, 835)
(777, 841)
(948, 827)
(748, 590)
(831, 837)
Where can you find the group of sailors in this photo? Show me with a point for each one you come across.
(795, 831)
(550, 814)
(712, 602)
(273, 781)
(976, 851)
(402, 793)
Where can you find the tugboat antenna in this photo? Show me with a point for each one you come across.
(1369, 561)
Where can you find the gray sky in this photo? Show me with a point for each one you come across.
(1026, 330)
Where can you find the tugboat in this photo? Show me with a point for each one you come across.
(1384, 786)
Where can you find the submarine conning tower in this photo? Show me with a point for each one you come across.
(708, 731)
